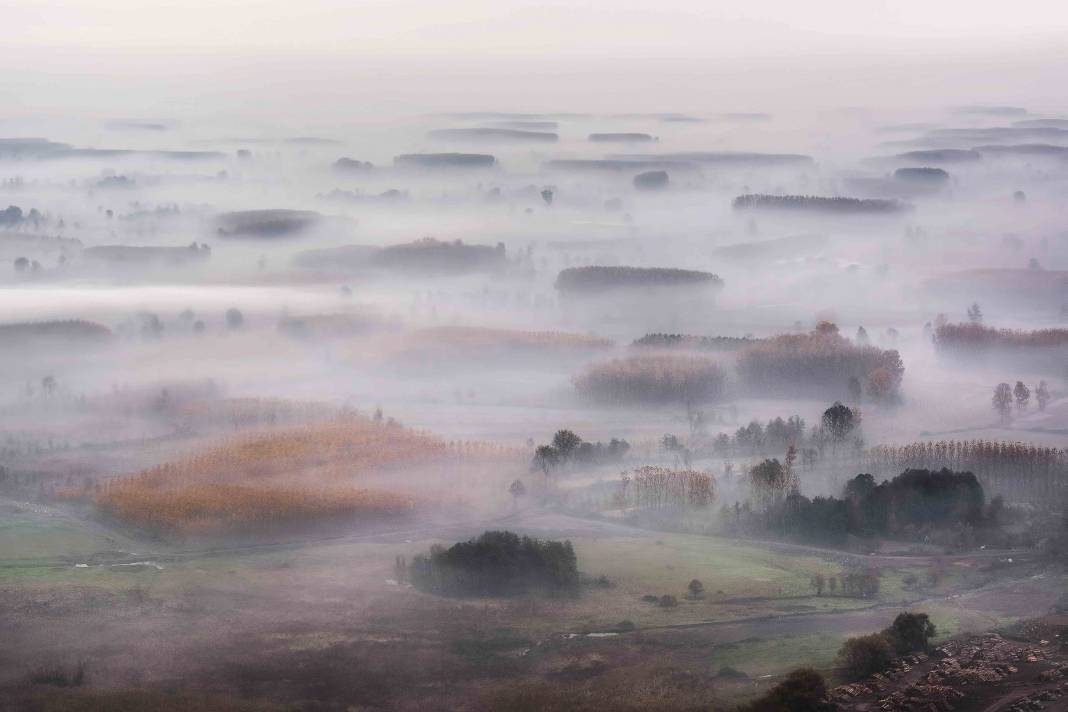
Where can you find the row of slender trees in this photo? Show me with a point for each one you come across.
(1020, 472)
(662, 489)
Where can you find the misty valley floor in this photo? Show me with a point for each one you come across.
(323, 622)
(281, 387)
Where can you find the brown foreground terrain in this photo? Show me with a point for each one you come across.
(1022, 668)
(321, 624)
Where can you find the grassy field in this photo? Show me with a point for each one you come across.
(740, 581)
(26, 535)
(291, 606)
(758, 657)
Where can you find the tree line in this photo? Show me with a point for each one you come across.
(913, 503)
(567, 448)
(660, 489)
(690, 342)
(598, 278)
(1021, 472)
(1004, 395)
(818, 203)
(654, 378)
(838, 425)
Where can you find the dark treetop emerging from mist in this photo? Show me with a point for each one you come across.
(347, 164)
(445, 160)
(617, 165)
(266, 223)
(597, 278)
(730, 158)
(24, 333)
(922, 175)
(853, 206)
(940, 155)
(494, 134)
(427, 255)
(620, 137)
(652, 180)
(1025, 149)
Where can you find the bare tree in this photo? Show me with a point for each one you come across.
(658, 488)
(1022, 394)
(565, 442)
(975, 314)
(768, 481)
(1042, 396)
(1002, 401)
(696, 418)
(855, 390)
(517, 489)
(793, 482)
(546, 459)
(839, 421)
(679, 452)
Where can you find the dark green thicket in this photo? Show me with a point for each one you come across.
(915, 500)
(497, 563)
(802, 691)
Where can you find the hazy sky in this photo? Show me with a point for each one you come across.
(174, 58)
(663, 27)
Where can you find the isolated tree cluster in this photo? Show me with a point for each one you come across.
(497, 563)
(567, 448)
(756, 439)
(821, 363)
(1004, 395)
(601, 278)
(869, 654)
(660, 488)
(430, 255)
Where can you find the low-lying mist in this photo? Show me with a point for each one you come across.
(458, 407)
